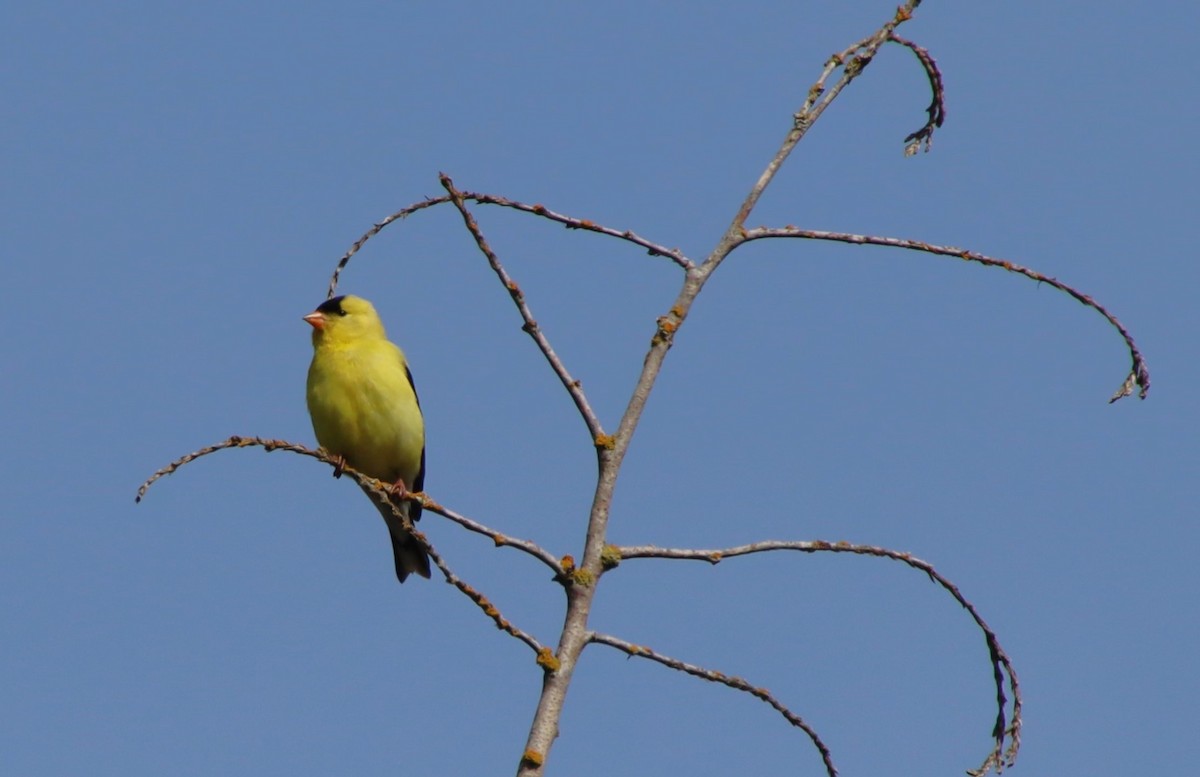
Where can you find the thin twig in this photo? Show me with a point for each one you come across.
(937, 104)
(367, 483)
(1139, 373)
(394, 498)
(482, 602)
(571, 222)
(1001, 664)
(573, 386)
(375, 230)
(737, 683)
(852, 61)
(501, 539)
(489, 609)
(236, 441)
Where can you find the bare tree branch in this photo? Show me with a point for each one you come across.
(500, 538)
(1139, 373)
(235, 441)
(852, 61)
(375, 230)
(570, 222)
(393, 497)
(737, 683)
(1001, 664)
(573, 386)
(427, 502)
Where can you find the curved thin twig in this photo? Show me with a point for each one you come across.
(236, 441)
(999, 757)
(378, 491)
(1139, 373)
(427, 502)
(375, 230)
(737, 683)
(570, 222)
(937, 105)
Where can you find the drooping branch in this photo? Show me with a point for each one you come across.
(737, 683)
(499, 538)
(851, 61)
(236, 441)
(1139, 373)
(1003, 730)
(380, 493)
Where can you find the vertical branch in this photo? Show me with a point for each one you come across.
(580, 585)
(611, 450)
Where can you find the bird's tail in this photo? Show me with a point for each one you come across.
(410, 556)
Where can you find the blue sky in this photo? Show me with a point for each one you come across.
(180, 179)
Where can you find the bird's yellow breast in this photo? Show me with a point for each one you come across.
(364, 408)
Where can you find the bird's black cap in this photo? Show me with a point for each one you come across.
(332, 306)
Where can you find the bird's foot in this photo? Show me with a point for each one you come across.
(398, 489)
(339, 466)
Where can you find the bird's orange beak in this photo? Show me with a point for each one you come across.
(315, 318)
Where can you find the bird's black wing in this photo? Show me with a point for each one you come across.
(418, 484)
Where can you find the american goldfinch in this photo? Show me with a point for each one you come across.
(364, 409)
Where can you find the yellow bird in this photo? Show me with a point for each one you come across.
(364, 408)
